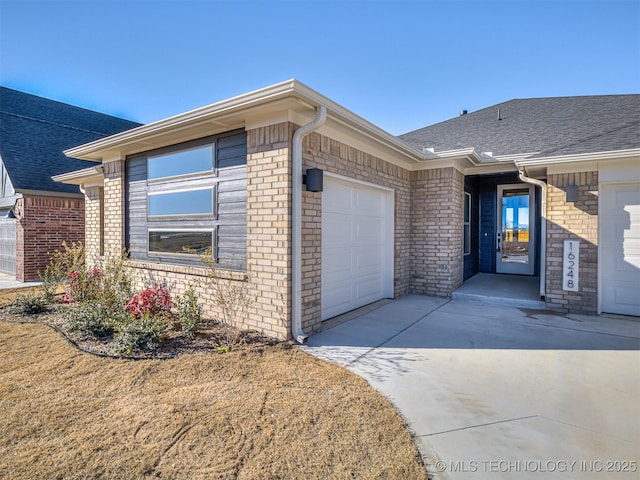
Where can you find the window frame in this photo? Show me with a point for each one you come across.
(214, 202)
(466, 224)
(165, 152)
(153, 253)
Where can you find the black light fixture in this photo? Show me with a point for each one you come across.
(313, 179)
(571, 193)
(11, 214)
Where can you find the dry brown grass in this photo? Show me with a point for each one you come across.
(267, 413)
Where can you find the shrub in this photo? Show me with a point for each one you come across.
(140, 335)
(92, 318)
(231, 297)
(189, 312)
(151, 301)
(61, 263)
(116, 287)
(28, 304)
(83, 285)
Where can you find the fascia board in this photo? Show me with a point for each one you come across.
(579, 157)
(80, 177)
(47, 193)
(179, 121)
(239, 109)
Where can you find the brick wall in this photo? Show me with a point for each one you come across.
(44, 223)
(94, 201)
(573, 221)
(336, 157)
(437, 225)
(269, 227)
(113, 194)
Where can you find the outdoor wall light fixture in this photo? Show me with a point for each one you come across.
(571, 193)
(313, 179)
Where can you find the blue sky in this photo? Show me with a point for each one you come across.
(401, 65)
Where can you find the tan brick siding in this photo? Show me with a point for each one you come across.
(332, 156)
(437, 225)
(44, 223)
(573, 221)
(94, 234)
(113, 192)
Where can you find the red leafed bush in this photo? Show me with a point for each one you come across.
(151, 301)
(83, 286)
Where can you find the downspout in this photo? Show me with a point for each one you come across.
(296, 221)
(543, 227)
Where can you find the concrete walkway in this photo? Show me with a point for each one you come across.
(9, 282)
(500, 392)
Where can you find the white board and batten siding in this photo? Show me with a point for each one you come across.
(357, 245)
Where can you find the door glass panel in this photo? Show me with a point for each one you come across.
(515, 226)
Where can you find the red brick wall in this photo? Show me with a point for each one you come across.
(44, 223)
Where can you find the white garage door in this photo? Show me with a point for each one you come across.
(357, 245)
(7, 243)
(620, 248)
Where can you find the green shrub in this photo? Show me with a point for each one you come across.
(140, 335)
(28, 304)
(189, 312)
(92, 319)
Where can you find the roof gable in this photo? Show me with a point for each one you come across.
(559, 126)
(34, 132)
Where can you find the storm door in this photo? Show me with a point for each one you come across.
(515, 248)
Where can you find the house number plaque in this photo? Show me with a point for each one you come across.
(570, 262)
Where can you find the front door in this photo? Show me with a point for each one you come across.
(515, 241)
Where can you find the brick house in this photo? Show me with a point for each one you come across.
(36, 213)
(499, 190)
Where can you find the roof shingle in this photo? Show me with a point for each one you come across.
(34, 132)
(540, 126)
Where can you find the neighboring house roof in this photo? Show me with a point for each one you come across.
(540, 127)
(34, 132)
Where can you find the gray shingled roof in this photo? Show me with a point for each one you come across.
(544, 126)
(34, 131)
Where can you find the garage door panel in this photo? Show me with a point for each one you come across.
(368, 290)
(336, 199)
(369, 203)
(338, 230)
(620, 249)
(354, 246)
(369, 231)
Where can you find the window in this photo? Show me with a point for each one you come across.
(183, 203)
(184, 162)
(180, 242)
(186, 198)
(467, 223)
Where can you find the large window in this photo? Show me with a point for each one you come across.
(182, 203)
(184, 162)
(180, 242)
(467, 224)
(187, 198)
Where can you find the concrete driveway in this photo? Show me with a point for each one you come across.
(500, 392)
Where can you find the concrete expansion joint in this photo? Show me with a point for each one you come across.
(479, 425)
(398, 333)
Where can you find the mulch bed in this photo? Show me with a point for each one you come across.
(213, 337)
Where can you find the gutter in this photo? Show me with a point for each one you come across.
(296, 220)
(543, 227)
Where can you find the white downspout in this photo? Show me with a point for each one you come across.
(296, 220)
(543, 227)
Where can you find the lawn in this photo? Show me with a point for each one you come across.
(268, 412)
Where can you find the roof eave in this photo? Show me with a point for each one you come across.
(91, 175)
(306, 97)
(578, 157)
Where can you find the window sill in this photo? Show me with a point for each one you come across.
(187, 270)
